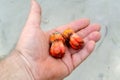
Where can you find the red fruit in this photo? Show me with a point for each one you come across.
(57, 49)
(72, 39)
(58, 41)
(76, 42)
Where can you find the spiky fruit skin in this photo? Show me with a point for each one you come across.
(57, 47)
(76, 42)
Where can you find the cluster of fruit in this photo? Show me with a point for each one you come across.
(59, 41)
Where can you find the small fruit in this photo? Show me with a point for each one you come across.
(72, 39)
(57, 47)
(76, 42)
(58, 41)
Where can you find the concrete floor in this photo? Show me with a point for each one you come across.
(103, 64)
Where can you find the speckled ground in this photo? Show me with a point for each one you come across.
(103, 64)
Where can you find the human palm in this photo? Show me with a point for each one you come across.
(34, 46)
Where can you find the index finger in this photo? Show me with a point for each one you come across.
(76, 26)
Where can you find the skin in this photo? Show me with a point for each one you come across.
(32, 50)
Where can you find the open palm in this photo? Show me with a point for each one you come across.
(34, 46)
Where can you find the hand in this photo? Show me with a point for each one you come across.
(33, 45)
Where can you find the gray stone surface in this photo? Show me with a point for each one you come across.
(103, 64)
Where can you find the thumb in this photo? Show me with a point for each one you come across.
(32, 26)
(34, 17)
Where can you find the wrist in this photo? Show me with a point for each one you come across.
(14, 68)
(35, 71)
(31, 67)
(22, 63)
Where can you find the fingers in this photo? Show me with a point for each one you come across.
(79, 57)
(31, 28)
(91, 35)
(94, 36)
(86, 31)
(34, 15)
(76, 26)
